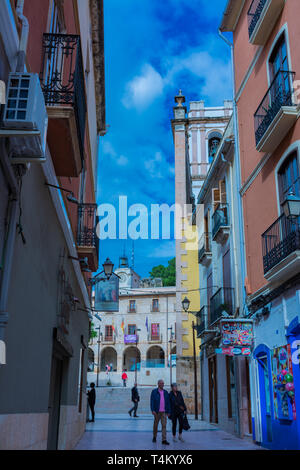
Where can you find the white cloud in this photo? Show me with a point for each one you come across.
(143, 89)
(122, 160)
(108, 149)
(154, 165)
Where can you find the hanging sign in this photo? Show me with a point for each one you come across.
(130, 339)
(237, 333)
(107, 295)
(233, 351)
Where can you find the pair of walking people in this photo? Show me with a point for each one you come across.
(163, 405)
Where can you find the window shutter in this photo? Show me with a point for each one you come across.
(216, 197)
(222, 188)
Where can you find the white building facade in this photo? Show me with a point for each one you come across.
(140, 338)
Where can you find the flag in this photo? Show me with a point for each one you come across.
(113, 327)
(122, 325)
(147, 324)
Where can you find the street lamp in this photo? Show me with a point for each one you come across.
(185, 305)
(108, 268)
(291, 206)
(70, 195)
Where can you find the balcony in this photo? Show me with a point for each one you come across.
(87, 240)
(62, 81)
(205, 253)
(262, 16)
(202, 321)
(108, 340)
(281, 249)
(155, 339)
(221, 302)
(276, 113)
(220, 223)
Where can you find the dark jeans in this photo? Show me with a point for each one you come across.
(174, 423)
(134, 408)
(124, 382)
(92, 408)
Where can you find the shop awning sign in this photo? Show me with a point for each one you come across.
(237, 334)
(233, 351)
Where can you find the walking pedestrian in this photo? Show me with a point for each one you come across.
(91, 401)
(135, 398)
(124, 378)
(178, 410)
(161, 408)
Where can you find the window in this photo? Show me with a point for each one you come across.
(279, 59)
(289, 178)
(279, 68)
(131, 329)
(132, 306)
(108, 332)
(155, 331)
(155, 305)
(56, 17)
(213, 144)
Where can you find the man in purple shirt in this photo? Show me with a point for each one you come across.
(161, 408)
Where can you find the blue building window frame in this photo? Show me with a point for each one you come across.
(263, 358)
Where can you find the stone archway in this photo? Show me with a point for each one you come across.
(131, 356)
(155, 357)
(109, 357)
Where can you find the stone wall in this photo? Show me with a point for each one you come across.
(185, 381)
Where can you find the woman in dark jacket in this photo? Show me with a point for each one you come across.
(178, 409)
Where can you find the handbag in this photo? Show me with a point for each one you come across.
(185, 423)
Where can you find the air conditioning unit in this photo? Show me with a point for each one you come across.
(25, 118)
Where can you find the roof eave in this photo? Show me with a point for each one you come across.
(97, 19)
(231, 15)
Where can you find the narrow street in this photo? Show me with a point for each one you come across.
(117, 431)
(120, 432)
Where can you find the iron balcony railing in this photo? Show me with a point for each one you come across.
(280, 93)
(221, 302)
(205, 245)
(62, 77)
(154, 338)
(87, 223)
(280, 240)
(220, 218)
(201, 320)
(154, 363)
(254, 13)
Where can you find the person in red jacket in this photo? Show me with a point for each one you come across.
(124, 378)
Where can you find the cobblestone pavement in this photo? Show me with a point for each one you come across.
(120, 432)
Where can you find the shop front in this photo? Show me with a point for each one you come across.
(277, 384)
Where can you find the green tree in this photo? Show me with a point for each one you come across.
(166, 273)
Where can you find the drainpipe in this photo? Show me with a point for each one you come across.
(23, 38)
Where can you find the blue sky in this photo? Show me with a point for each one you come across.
(153, 48)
